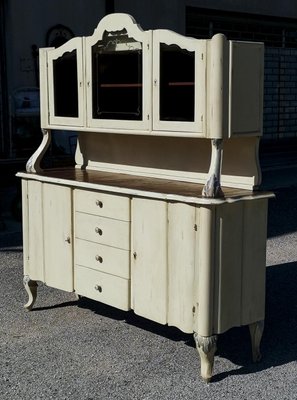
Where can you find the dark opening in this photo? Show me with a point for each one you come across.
(177, 83)
(66, 85)
(117, 84)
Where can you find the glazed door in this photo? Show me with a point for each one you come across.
(66, 84)
(179, 79)
(118, 58)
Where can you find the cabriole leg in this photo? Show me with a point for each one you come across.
(256, 332)
(31, 289)
(206, 346)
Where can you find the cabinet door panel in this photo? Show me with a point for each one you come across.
(33, 230)
(149, 259)
(57, 217)
(181, 261)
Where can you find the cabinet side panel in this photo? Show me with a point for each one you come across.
(254, 261)
(25, 222)
(246, 88)
(35, 261)
(181, 252)
(149, 259)
(229, 227)
(57, 218)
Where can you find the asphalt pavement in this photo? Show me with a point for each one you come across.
(83, 350)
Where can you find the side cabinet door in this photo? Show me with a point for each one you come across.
(149, 259)
(33, 229)
(57, 218)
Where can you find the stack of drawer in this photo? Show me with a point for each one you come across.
(102, 247)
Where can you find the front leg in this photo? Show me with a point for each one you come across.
(256, 332)
(31, 289)
(206, 346)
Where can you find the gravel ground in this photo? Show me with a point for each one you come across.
(68, 349)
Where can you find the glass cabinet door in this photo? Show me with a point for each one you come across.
(118, 71)
(65, 77)
(179, 83)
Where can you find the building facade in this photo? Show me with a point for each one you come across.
(27, 26)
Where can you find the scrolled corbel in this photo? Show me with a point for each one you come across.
(33, 164)
(212, 188)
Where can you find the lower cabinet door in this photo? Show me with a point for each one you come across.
(106, 288)
(57, 226)
(149, 259)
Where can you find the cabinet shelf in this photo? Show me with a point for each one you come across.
(121, 85)
(181, 83)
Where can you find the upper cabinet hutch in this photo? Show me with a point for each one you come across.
(161, 213)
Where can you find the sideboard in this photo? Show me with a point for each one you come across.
(161, 213)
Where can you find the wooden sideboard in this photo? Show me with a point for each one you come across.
(160, 214)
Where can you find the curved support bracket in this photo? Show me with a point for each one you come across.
(31, 289)
(206, 346)
(256, 332)
(212, 187)
(33, 164)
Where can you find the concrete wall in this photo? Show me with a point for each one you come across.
(27, 23)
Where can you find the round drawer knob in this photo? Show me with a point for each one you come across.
(99, 203)
(99, 258)
(98, 230)
(99, 288)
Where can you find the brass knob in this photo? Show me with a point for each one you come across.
(99, 288)
(99, 258)
(98, 230)
(68, 240)
(99, 203)
(135, 255)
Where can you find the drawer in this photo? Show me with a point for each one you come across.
(106, 205)
(107, 289)
(102, 230)
(102, 258)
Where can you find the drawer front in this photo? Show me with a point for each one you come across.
(106, 205)
(102, 258)
(107, 289)
(103, 230)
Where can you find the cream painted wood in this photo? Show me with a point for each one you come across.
(182, 239)
(33, 164)
(217, 93)
(106, 205)
(110, 232)
(228, 271)
(57, 236)
(25, 225)
(254, 261)
(114, 23)
(169, 38)
(75, 44)
(102, 287)
(246, 92)
(102, 258)
(34, 265)
(43, 84)
(149, 259)
(186, 159)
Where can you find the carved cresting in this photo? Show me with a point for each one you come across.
(212, 187)
(33, 164)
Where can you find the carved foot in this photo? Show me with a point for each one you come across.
(31, 289)
(206, 347)
(256, 332)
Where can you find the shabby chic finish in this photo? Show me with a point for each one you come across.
(160, 214)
